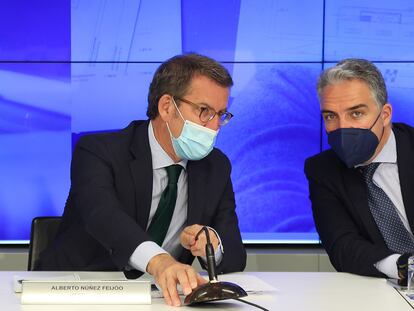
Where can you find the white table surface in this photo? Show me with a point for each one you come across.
(404, 294)
(295, 291)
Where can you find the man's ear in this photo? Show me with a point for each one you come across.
(166, 107)
(386, 114)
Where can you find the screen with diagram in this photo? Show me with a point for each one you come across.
(71, 67)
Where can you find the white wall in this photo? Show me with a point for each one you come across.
(258, 259)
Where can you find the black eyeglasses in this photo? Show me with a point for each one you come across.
(208, 114)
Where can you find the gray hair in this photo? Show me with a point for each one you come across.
(354, 68)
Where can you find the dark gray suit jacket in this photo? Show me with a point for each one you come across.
(109, 202)
(340, 206)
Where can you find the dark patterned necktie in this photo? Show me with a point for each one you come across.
(395, 235)
(162, 217)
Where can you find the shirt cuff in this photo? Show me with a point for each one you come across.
(388, 266)
(143, 254)
(218, 252)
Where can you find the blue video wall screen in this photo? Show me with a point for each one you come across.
(74, 67)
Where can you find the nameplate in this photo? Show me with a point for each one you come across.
(128, 292)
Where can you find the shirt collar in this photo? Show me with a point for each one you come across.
(160, 158)
(388, 154)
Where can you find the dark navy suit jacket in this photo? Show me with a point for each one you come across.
(340, 206)
(109, 202)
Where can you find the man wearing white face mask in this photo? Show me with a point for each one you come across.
(140, 196)
(195, 141)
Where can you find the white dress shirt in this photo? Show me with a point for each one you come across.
(386, 177)
(146, 250)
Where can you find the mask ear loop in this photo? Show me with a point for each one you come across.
(179, 112)
(382, 134)
(168, 128)
(375, 120)
(176, 107)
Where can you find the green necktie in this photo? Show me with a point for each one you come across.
(162, 217)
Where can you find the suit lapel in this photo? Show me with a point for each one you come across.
(196, 191)
(405, 159)
(141, 170)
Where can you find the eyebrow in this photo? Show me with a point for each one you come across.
(348, 109)
(357, 107)
(206, 105)
(211, 108)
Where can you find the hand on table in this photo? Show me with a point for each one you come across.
(168, 272)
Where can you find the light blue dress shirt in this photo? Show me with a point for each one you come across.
(146, 250)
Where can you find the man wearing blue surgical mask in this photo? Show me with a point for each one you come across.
(362, 188)
(140, 196)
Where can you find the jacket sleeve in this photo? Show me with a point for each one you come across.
(226, 224)
(348, 248)
(103, 215)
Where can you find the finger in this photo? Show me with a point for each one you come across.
(183, 240)
(201, 280)
(184, 282)
(192, 277)
(200, 244)
(202, 239)
(196, 251)
(187, 240)
(193, 229)
(165, 293)
(213, 238)
(189, 230)
(172, 290)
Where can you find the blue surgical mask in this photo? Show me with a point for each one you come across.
(195, 141)
(354, 145)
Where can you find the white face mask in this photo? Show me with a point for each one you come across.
(195, 141)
